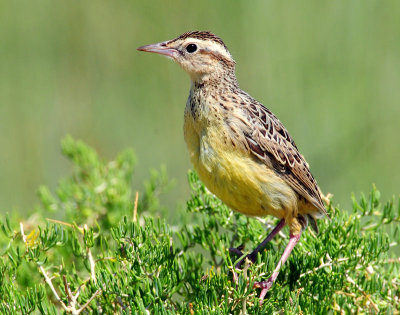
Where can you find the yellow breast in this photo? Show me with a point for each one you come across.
(232, 174)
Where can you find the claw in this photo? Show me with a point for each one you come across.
(264, 286)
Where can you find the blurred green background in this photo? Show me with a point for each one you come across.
(330, 70)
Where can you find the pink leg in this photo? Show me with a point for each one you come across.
(266, 285)
(253, 255)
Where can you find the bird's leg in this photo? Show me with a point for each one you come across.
(253, 255)
(266, 285)
(237, 250)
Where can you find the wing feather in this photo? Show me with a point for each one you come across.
(269, 141)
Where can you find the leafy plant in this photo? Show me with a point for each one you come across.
(102, 254)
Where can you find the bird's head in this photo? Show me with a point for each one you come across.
(201, 54)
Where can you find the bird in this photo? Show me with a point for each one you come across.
(241, 151)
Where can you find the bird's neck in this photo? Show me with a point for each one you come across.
(221, 80)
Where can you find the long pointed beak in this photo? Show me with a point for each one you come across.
(161, 49)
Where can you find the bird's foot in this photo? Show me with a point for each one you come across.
(250, 257)
(264, 286)
(238, 252)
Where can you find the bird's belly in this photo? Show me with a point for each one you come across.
(236, 178)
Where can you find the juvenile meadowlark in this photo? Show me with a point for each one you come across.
(240, 150)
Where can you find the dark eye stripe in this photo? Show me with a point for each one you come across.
(217, 56)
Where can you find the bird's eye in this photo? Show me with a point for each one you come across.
(191, 48)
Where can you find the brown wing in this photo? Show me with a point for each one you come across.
(269, 141)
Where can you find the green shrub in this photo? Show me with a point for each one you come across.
(108, 251)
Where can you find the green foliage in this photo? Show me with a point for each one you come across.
(101, 257)
(97, 191)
